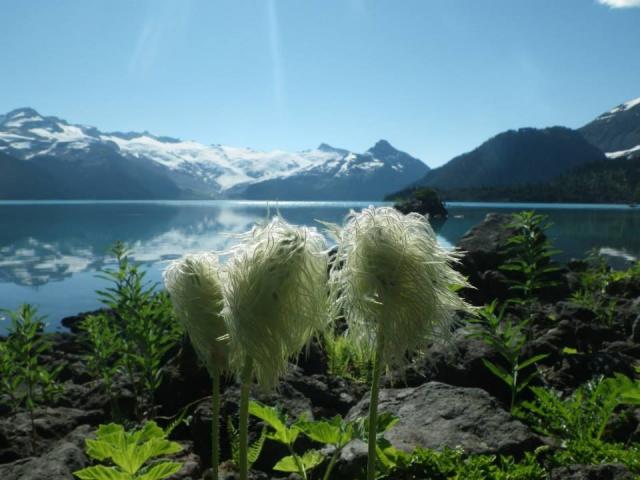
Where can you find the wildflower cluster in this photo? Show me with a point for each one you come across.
(391, 280)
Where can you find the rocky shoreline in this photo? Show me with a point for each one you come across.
(446, 398)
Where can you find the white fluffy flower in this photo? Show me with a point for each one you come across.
(275, 296)
(194, 287)
(391, 278)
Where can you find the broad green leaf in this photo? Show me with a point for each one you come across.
(154, 448)
(160, 471)
(128, 458)
(100, 472)
(287, 464)
(99, 449)
(287, 436)
(569, 351)
(310, 460)
(267, 414)
(321, 431)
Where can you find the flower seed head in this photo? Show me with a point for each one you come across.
(194, 287)
(275, 296)
(391, 278)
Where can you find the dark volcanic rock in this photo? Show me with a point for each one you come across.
(424, 201)
(458, 363)
(58, 463)
(483, 253)
(51, 425)
(483, 244)
(436, 415)
(482, 249)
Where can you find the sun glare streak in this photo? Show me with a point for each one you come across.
(163, 19)
(276, 56)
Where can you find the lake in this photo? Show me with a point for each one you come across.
(50, 252)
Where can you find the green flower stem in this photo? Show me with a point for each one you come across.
(296, 458)
(215, 424)
(332, 462)
(373, 407)
(244, 419)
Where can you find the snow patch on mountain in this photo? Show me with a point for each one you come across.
(627, 105)
(623, 107)
(623, 153)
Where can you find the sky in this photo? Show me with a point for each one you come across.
(436, 78)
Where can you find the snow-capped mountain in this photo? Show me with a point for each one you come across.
(196, 169)
(379, 171)
(617, 131)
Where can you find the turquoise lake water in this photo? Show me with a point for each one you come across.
(50, 252)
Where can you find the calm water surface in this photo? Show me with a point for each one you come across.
(50, 252)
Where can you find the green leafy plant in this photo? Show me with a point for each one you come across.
(130, 455)
(528, 253)
(508, 339)
(145, 323)
(584, 415)
(104, 346)
(26, 380)
(347, 358)
(335, 432)
(453, 464)
(595, 283)
(286, 435)
(598, 452)
(580, 421)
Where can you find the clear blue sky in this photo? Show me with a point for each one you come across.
(434, 77)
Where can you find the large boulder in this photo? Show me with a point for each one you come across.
(436, 415)
(482, 254)
(483, 244)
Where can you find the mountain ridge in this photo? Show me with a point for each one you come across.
(199, 170)
(526, 155)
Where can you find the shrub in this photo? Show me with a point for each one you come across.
(509, 340)
(453, 464)
(145, 323)
(104, 346)
(24, 378)
(529, 253)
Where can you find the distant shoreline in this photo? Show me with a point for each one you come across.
(326, 203)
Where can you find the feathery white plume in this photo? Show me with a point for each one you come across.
(275, 296)
(391, 277)
(194, 287)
